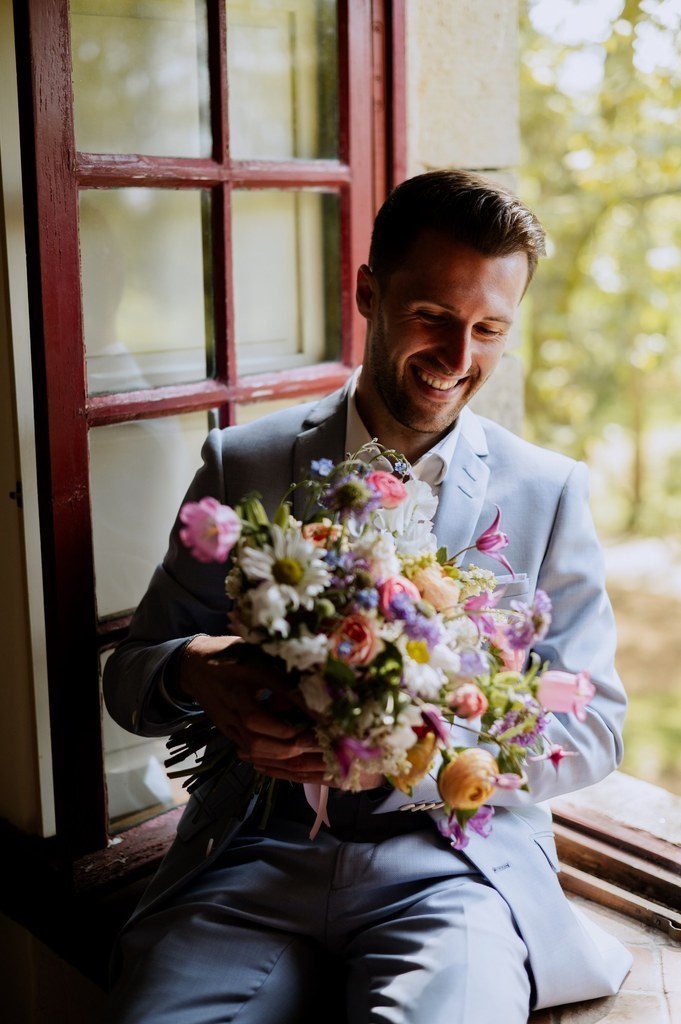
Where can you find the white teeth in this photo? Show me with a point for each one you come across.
(435, 382)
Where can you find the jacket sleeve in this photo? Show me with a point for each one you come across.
(582, 635)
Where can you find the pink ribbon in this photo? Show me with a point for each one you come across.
(317, 796)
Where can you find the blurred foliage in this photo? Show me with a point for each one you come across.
(600, 101)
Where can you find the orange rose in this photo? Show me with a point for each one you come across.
(321, 534)
(467, 781)
(437, 589)
(355, 640)
(420, 757)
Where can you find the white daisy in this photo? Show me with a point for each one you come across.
(291, 565)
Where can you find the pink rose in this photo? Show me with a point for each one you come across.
(513, 659)
(468, 701)
(355, 641)
(396, 586)
(564, 691)
(391, 491)
(439, 590)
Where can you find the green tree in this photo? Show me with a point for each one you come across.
(600, 92)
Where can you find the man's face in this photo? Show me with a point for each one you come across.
(435, 333)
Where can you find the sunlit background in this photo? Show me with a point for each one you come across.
(600, 102)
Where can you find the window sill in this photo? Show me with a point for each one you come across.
(618, 845)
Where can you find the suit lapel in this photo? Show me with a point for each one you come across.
(323, 436)
(463, 491)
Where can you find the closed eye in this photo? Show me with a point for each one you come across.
(431, 318)
(490, 332)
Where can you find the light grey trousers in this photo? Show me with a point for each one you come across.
(422, 938)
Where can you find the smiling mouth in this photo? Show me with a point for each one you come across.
(437, 382)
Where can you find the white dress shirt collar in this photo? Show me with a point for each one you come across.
(432, 466)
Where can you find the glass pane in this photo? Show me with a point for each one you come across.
(136, 779)
(283, 78)
(146, 279)
(140, 77)
(139, 473)
(249, 411)
(286, 279)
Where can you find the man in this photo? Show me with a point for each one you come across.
(240, 919)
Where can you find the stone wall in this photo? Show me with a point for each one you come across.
(463, 111)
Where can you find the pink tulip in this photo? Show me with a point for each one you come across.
(210, 529)
(564, 691)
(554, 754)
(492, 541)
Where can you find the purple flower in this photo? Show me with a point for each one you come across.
(451, 830)
(416, 625)
(531, 716)
(481, 820)
(478, 609)
(529, 623)
(473, 663)
(367, 598)
(210, 529)
(348, 749)
(435, 723)
(351, 496)
(492, 541)
(479, 823)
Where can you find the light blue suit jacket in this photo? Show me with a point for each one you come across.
(553, 545)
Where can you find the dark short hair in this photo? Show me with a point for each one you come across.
(468, 207)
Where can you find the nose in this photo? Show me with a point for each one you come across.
(455, 352)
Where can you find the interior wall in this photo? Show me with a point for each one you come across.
(25, 777)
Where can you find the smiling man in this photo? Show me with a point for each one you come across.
(241, 921)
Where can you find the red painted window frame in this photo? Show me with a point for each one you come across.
(371, 160)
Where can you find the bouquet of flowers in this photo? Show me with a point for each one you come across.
(398, 656)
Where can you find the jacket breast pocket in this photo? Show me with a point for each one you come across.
(515, 588)
(546, 841)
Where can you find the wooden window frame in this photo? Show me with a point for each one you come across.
(371, 159)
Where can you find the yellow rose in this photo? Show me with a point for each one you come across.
(437, 589)
(420, 757)
(467, 781)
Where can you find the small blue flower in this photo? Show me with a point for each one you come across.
(322, 467)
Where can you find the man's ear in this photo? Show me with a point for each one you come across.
(366, 295)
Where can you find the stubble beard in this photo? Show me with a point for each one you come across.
(394, 391)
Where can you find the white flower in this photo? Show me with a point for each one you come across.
(266, 606)
(411, 522)
(422, 678)
(302, 652)
(291, 565)
(315, 693)
(418, 507)
(379, 551)
(444, 658)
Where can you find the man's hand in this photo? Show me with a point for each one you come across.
(248, 704)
